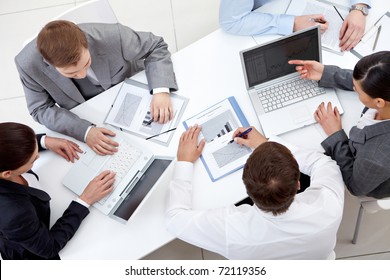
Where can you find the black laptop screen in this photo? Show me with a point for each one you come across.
(269, 61)
(141, 189)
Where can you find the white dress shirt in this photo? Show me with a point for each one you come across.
(306, 231)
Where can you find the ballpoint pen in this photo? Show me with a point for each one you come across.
(318, 20)
(241, 134)
(169, 130)
(377, 36)
(338, 13)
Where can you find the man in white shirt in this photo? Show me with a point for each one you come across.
(281, 224)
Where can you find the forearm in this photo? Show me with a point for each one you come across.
(154, 51)
(202, 228)
(62, 120)
(335, 77)
(237, 17)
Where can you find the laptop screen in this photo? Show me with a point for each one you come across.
(269, 61)
(141, 189)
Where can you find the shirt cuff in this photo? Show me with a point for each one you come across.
(82, 202)
(184, 171)
(286, 24)
(160, 90)
(86, 133)
(366, 2)
(42, 142)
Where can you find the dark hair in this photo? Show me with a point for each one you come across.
(271, 177)
(60, 42)
(17, 145)
(373, 74)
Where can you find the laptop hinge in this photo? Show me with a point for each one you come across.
(131, 184)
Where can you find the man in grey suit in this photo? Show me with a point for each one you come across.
(68, 64)
(364, 157)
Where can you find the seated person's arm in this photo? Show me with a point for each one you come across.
(328, 76)
(238, 17)
(353, 26)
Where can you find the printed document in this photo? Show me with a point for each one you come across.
(131, 112)
(218, 125)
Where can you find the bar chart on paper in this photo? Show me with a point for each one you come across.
(222, 124)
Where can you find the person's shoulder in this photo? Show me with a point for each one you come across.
(29, 53)
(98, 26)
(14, 208)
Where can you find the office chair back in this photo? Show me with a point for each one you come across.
(91, 11)
(371, 206)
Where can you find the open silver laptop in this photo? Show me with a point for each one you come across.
(283, 101)
(130, 164)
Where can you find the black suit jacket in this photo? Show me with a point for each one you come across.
(25, 231)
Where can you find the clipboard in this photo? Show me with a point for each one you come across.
(218, 123)
(130, 111)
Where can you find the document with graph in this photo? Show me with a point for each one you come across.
(218, 125)
(131, 112)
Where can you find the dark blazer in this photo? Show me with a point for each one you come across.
(364, 157)
(117, 52)
(25, 231)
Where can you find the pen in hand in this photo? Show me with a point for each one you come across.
(318, 20)
(149, 122)
(241, 134)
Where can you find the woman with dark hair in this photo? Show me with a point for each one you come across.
(25, 232)
(364, 157)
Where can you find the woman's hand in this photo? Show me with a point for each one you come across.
(65, 148)
(99, 187)
(328, 118)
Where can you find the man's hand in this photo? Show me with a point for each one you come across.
(309, 69)
(352, 30)
(65, 148)
(328, 118)
(161, 107)
(188, 146)
(302, 22)
(99, 187)
(252, 140)
(100, 143)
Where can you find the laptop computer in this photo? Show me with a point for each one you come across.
(271, 82)
(131, 164)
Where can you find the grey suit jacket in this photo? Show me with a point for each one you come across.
(364, 157)
(117, 52)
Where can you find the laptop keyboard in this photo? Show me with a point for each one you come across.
(288, 93)
(121, 162)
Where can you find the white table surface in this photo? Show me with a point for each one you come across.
(207, 71)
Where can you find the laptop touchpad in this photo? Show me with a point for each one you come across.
(300, 114)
